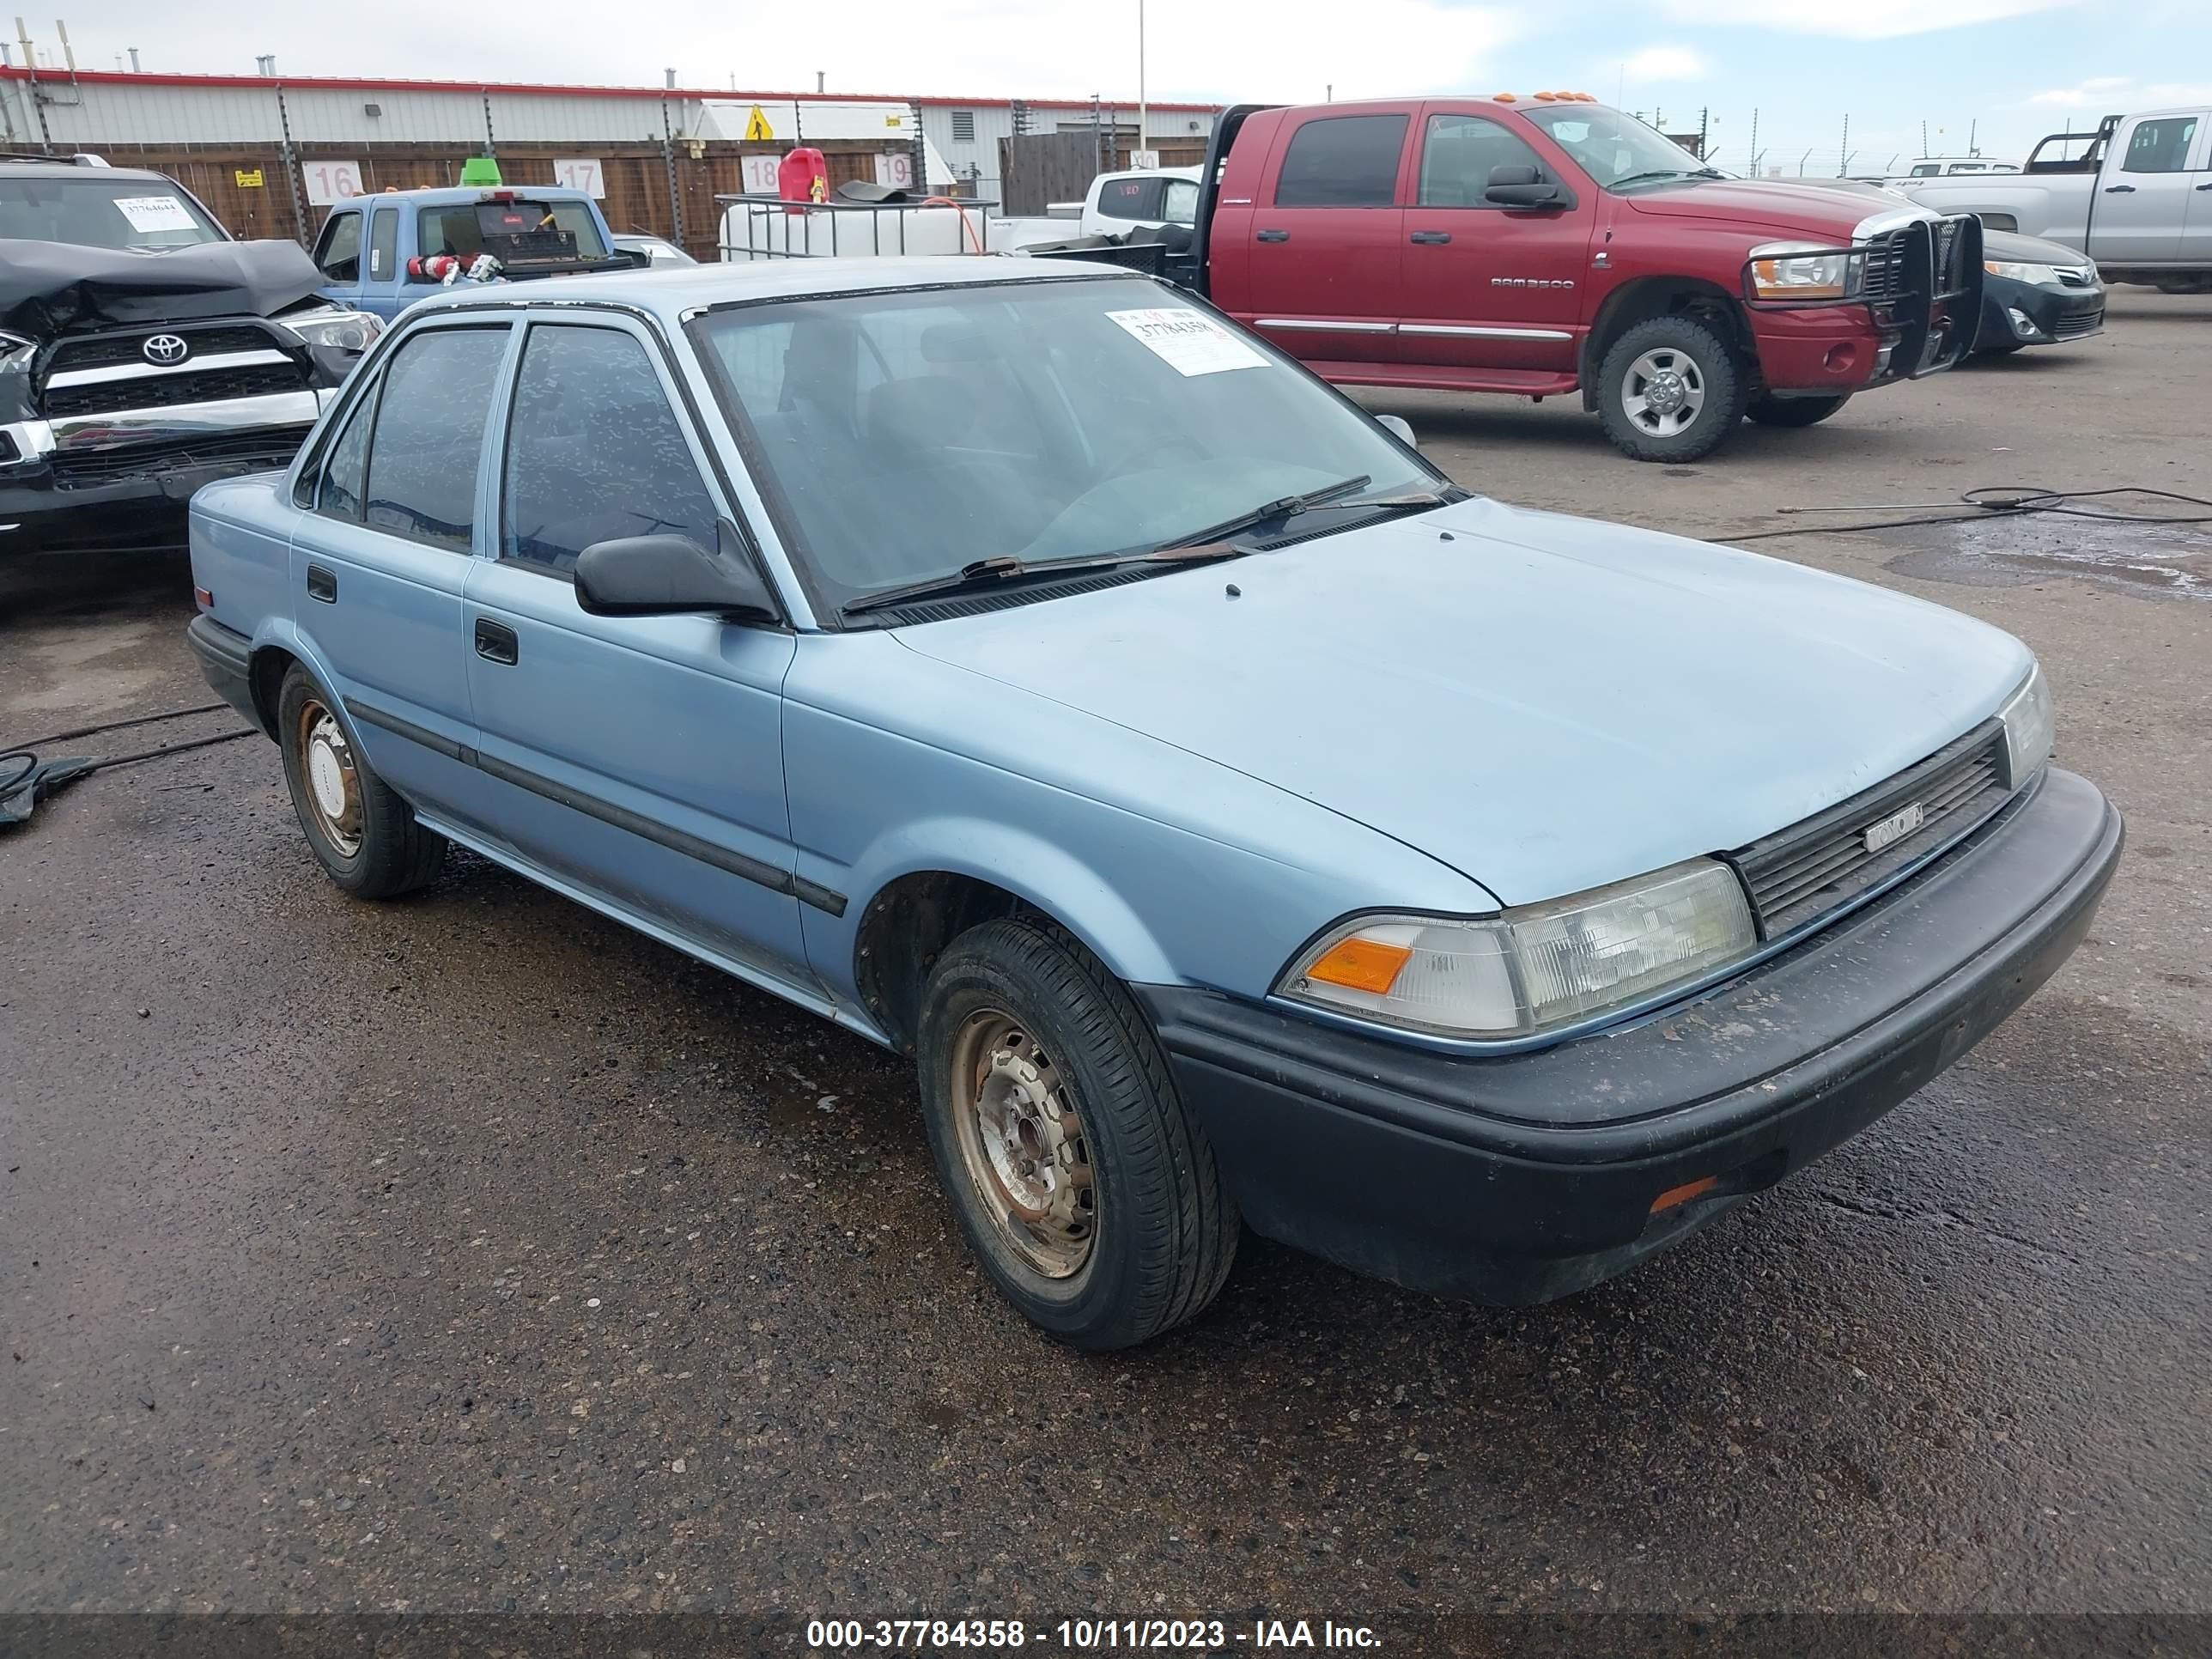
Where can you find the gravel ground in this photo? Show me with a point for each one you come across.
(471, 1253)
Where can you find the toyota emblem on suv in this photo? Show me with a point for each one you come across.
(164, 349)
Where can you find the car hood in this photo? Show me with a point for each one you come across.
(1782, 206)
(50, 288)
(2030, 250)
(1543, 703)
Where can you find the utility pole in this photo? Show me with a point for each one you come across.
(1843, 150)
(1754, 142)
(1142, 107)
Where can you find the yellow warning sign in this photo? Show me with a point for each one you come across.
(248, 178)
(757, 130)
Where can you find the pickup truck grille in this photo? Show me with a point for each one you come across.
(1888, 266)
(166, 391)
(1804, 871)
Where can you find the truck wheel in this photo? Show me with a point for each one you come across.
(1793, 411)
(1085, 1190)
(1669, 390)
(365, 834)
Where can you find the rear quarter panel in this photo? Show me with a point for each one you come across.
(241, 532)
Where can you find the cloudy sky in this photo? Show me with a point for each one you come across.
(2007, 69)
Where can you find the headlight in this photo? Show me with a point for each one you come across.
(1802, 270)
(337, 327)
(2027, 727)
(1532, 970)
(2012, 271)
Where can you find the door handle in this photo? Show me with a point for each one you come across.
(1432, 238)
(322, 583)
(495, 642)
(2119, 190)
(1273, 236)
(2205, 186)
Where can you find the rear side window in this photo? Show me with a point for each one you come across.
(1342, 160)
(2160, 146)
(1131, 198)
(429, 434)
(338, 253)
(1458, 152)
(383, 245)
(594, 453)
(345, 470)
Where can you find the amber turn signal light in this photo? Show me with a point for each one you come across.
(1361, 964)
(1684, 1193)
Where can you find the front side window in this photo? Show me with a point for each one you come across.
(594, 454)
(1343, 161)
(339, 252)
(129, 215)
(1458, 152)
(429, 435)
(1035, 420)
(345, 470)
(2160, 146)
(1617, 150)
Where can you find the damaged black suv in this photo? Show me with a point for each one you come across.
(142, 353)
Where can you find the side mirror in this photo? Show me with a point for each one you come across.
(1396, 426)
(1523, 187)
(669, 575)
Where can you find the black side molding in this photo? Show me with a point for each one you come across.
(737, 864)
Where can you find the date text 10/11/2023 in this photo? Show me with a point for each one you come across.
(1088, 1635)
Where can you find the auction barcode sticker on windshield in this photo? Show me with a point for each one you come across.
(155, 213)
(1189, 342)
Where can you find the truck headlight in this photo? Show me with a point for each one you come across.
(2027, 721)
(1802, 270)
(1532, 970)
(337, 327)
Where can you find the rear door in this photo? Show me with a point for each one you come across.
(2144, 197)
(380, 291)
(1488, 287)
(380, 559)
(2197, 228)
(1326, 238)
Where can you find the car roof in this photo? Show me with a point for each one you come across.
(467, 195)
(15, 166)
(678, 291)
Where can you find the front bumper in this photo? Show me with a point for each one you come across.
(121, 481)
(2046, 315)
(1519, 1179)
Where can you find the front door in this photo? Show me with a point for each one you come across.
(380, 560)
(1326, 241)
(2142, 203)
(639, 757)
(337, 256)
(1489, 287)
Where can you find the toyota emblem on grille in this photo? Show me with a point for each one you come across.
(163, 349)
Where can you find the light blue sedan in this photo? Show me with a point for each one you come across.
(1241, 824)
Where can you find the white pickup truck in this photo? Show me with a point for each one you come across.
(2136, 196)
(1115, 204)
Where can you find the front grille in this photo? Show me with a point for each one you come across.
(1809, 869)
(263, 448)
(1887, 267)
(2073, 328)
(122, 350)
(166, 391)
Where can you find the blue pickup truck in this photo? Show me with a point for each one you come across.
(381, 253)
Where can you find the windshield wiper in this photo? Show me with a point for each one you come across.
(1666, 173)
(1003, 567)
(1286, 507)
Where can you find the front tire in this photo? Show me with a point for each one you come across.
(358, 827)
(1087, 1193)
(1670, 388)
(1770, 411)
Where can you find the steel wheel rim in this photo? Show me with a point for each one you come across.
(1022, 1143)
(1664, 392)
(331, 781)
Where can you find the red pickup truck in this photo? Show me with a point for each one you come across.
(1550, 245)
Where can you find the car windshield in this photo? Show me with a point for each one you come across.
(143, 216)
(904, 436)
(1615, 148)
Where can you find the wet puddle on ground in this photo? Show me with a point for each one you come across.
(2167, 561)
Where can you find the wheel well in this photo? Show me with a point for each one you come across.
(1999, 222)
(265, 675)
(905, 929)
(1662, 297)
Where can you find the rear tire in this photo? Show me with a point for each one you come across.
(1670, 388)
(1088, 1196)
(1770, 411)
(357, 825)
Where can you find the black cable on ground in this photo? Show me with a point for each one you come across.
(1995, 501)
(116, 726)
